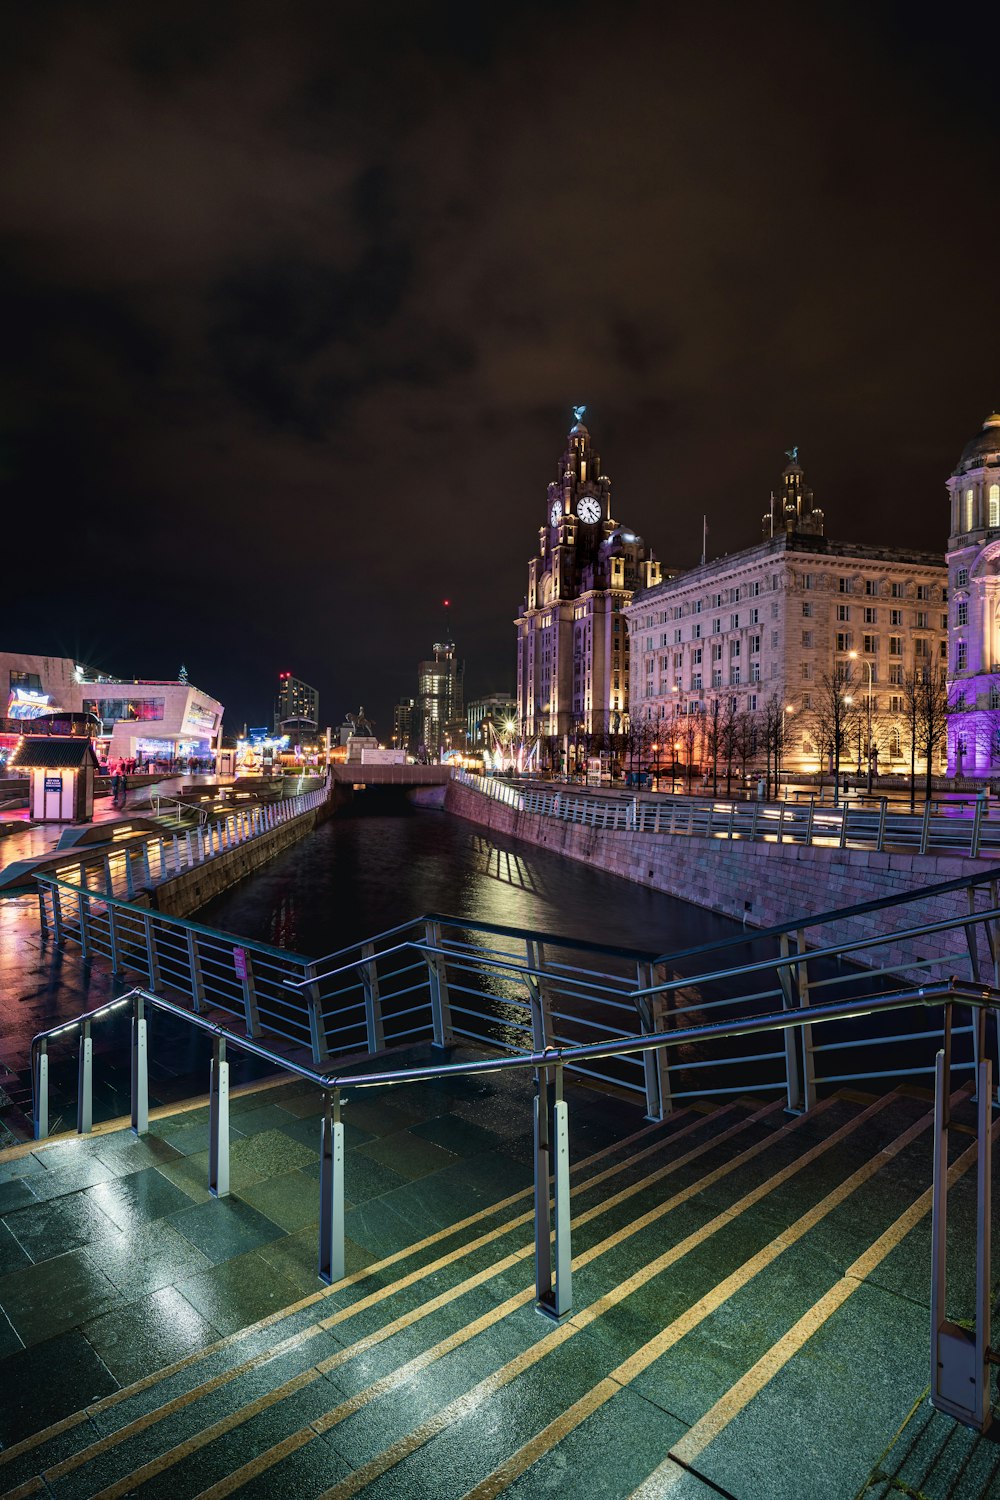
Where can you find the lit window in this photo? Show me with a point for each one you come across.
(994, 505)
(970, 496)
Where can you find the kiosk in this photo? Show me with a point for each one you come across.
(62, 770)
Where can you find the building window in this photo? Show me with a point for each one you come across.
(807, 609)
(994, 506)
(871, 616)
(717, 677)
(755, 617)
(807, 581)
(843, 640)
(734, 622)
(774, 641)
(844, 585)
(755, 671)
(870, 644)
(717, 651)
(807, 639)
(696, 656)
(696, 682)
(961, 656)
(753, 589)
(895, 617)
(843, 611)
(677, 638)
(923, 591)
(970, 498)
(896, 674)
(734, 650)
(754, 645)
(716, 627)
(895, 645)
(994, 697)
(696, 632)
(921, 619)
(734, 677)
(962, 614)
(962, 578)
(921, 646)
(898, 590)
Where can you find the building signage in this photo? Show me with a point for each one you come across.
(240, 962)
(24, 703)
(53, 783)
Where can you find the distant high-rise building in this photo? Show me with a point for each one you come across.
(499, 709)
(440, 707)
(402, 724)
(296, 704)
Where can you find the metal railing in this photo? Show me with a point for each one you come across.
(445, 978)
(179, 809)
(940, 827)
(960, 1356)
(138, 861)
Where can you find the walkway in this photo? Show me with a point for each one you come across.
(750, 1307)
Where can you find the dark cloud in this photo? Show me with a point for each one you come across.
(295, 301)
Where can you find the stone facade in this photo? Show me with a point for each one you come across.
(974, 633)
(776, 623)
(572, 644)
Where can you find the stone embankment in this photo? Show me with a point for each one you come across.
(759, 884)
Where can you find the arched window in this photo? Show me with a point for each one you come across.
(994, 505)
(895, 748)
(970, 496)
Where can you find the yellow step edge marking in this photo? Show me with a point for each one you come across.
(407, 1320)
(694, 1442)
(66, 1424)
(551, 1341)
(567, 1421)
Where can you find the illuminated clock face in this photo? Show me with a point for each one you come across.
(555, 512)
(589, 509)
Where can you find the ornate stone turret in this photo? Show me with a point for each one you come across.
(792, 508)
(974, 606)
(580, 478)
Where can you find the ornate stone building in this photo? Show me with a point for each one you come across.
(974, 614)
(572, 643)
(777, 622)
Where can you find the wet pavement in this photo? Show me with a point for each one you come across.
(748, 1316)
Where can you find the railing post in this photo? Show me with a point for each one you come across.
(781, 821)
(43, 921)
(41, 1121)
(318, 1044)
(882, 815)
(147, 873)
(140, 1070)
(809, 821)
(218, 1121)
(332, 1259)
(793, 1079)
(438, 980)
(373, 1004)
(109, 884)
(753, 821)
(194, 968)
(152, 961)
(977, 823)
(83, 907)
(844, 812)
(243, 964)
(652, 1019)
(538, 997)
(553, 1285)
(961, 1357)
(925, 827)
(129, 873)
(57, 917)
(85, 1083)
(805, 1031)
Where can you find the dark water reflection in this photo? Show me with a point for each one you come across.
(357, 876)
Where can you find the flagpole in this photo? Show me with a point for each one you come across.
(704, 539)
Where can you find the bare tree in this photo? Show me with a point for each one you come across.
(932, 718)
(833, 717)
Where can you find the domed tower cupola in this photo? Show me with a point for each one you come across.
(581, 489)
(974, 487)
(792, 508)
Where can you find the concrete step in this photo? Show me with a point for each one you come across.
(749, 1318)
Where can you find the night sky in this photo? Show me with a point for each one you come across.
(296, 299)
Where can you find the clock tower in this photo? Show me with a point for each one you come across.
(572, 644)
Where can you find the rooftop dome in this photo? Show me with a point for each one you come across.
(985, 445)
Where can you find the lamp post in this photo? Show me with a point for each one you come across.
(871, 678)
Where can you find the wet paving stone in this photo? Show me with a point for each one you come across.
(47, 1229)
(15, 1194)
(290, 1200)
(408, 1154)
(55, 1295)
(145, 1335)
(146, 1258)
(224, 1227)
(47, 1382)
(136, 1200)
(239, 1291)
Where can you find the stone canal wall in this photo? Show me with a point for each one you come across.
(183, 894)
(760, 884)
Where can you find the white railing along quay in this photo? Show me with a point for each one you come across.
(938, 828)
(140, 861)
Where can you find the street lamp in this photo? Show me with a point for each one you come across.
(871, 676)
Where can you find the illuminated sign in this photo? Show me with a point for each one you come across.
(199, 718)
(24, 703)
